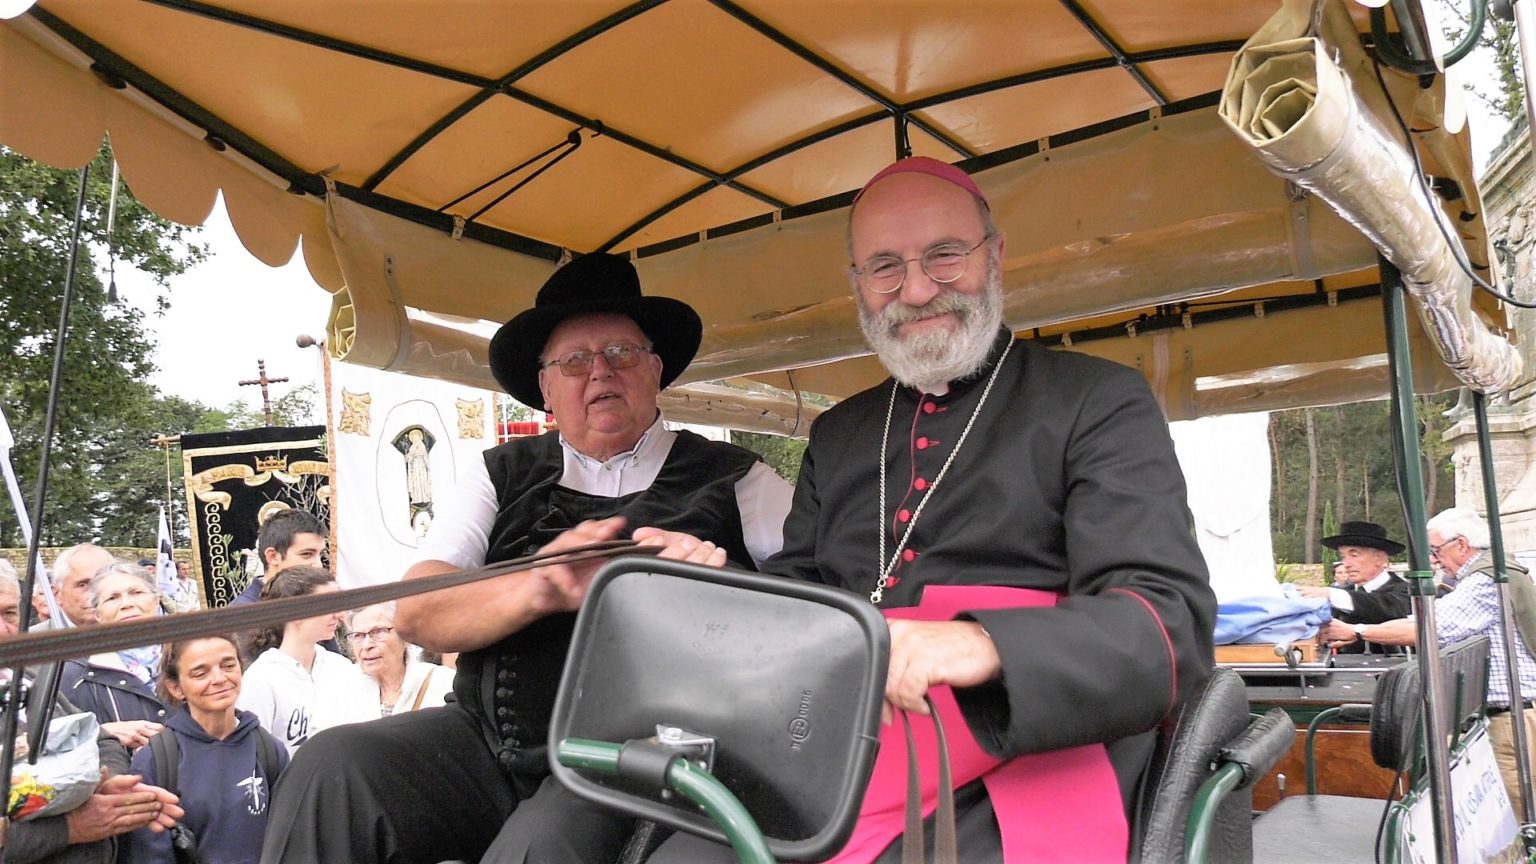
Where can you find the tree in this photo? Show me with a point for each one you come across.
(1499, 42)
(1356, 477)
(298, 407)
(132, 479)
(1310, 544)
(107, 352)
(782, 454)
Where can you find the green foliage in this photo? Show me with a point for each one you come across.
(103, 395)
(782, 454)
(1356, 477)
(1498, 43)
(300, 406)
(1509, 98)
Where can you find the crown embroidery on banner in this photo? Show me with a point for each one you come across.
(266, 464)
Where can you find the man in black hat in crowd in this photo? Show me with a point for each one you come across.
(439, 784)
(1375, 594)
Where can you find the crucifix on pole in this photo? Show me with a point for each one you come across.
(262, 379)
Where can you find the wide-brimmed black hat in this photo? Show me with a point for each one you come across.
(592, 284)
(1367, 534)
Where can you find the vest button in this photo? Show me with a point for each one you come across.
(908, 555)
(903, 515)
(919, 484)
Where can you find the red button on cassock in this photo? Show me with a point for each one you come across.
(929, 407)
(903, 515)
(922, 443)
(908, 555)
(919, 484)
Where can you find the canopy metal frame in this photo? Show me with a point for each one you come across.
(1410, 479)
(883, 108)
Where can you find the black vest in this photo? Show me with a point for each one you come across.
(510, 686)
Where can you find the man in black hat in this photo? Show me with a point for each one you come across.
(1459, 549)
(439, 784)
(1375, 594)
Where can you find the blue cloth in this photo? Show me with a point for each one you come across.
(1270, 619)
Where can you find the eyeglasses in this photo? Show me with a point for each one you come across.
(944, 263)
(1435, 550)
(377, 634)
(620, 355)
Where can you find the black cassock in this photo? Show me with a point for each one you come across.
(1067, 482)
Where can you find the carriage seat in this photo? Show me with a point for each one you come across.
(1310, 828)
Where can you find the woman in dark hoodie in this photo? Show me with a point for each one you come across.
(223, 776)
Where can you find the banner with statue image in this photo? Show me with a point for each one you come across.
(235, 480)
(401, 445)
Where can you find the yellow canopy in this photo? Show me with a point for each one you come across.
(437, 159)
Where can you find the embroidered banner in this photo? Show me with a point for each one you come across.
(401, 445)
(235, 480)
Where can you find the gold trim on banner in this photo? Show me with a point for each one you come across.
(200, 491)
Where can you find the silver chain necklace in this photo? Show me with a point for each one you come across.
(886, 567)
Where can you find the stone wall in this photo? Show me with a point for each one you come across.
(1509, 202)
(18, 557)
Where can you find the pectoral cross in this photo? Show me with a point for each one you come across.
(262, 379)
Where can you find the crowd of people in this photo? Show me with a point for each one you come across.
(194, 735)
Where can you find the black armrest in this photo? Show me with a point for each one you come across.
(1355, 713)
(1261, 746)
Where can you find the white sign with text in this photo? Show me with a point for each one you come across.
(1484, 818)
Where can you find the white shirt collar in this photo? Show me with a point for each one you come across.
(1378, 583)
(643, 449)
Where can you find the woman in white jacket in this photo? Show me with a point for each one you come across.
(404, 683)
(295, 687)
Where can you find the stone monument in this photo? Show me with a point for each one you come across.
(1509, 199)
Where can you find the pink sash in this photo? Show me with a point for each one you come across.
(1063, 805)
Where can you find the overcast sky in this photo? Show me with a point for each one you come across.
(226, 314)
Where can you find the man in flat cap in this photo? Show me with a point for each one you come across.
(1020, 515)
(1375, 594)
(441, 783)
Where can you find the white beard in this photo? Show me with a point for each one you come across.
(929, 361)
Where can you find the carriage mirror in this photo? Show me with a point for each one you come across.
(779, 682)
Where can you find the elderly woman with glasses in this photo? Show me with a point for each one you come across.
(405, 683)
(118, 686)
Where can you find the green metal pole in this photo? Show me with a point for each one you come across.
(1405, 434)
(1202, 813)
(1506, 618)
(693, 783)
